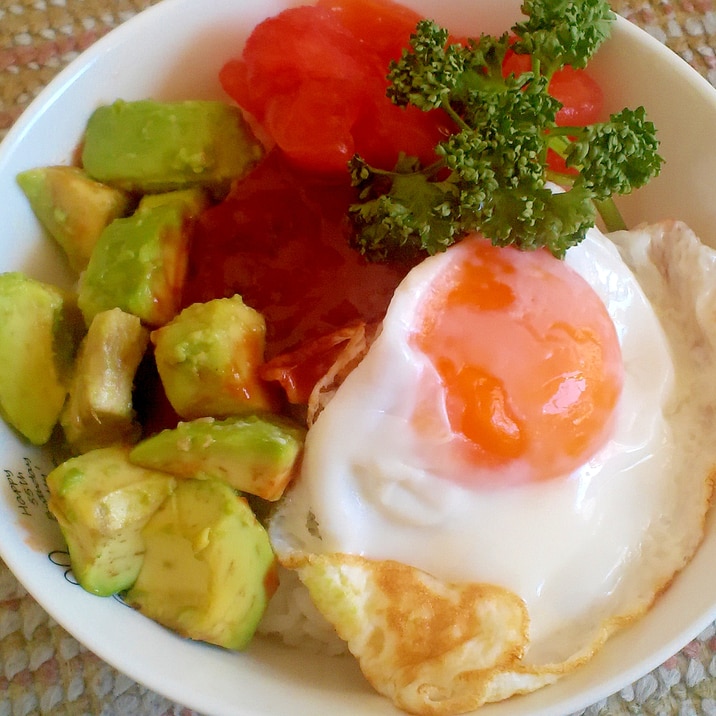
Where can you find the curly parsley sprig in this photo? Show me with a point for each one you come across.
(492, 173)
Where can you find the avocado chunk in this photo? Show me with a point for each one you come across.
(193, 201)
(209, 570)
(139, 264)
(40, 328)
(102, 502)
(251, 453)
(208, 359)
(99, 410)
(73, 208)
(147, 146)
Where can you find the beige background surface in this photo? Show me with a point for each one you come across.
(43, 670)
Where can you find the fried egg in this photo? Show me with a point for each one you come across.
(535, 425)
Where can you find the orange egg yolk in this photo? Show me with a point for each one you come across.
(527, 358)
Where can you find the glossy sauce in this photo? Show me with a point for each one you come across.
(282, 241)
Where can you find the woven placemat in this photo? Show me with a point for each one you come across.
(39, 37)
(43, 670)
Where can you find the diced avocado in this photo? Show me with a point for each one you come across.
(72, 207)
(139, 265)
(99, 410)
(40, 328)
(193, 200)
(208, 358)
(209, 570)
(252, 453)
(102, 502)
(148, 146)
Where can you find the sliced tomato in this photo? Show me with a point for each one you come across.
(384, 131)
(384, 26)
(581, 97)
(285, 50)
(313, 125)
(557, 164)
(315, 78)
(234, 79)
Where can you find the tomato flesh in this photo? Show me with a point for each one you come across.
(315, 78)
(383, 26)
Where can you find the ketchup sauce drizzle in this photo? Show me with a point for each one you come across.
(281, 240)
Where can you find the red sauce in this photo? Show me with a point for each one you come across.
(282, 241)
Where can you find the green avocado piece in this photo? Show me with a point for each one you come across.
(40, 329)
(148, 146)
(99, 410)
(139, 264)
(258, 454)
(72, 207)
(193, 201)
(208, 358)
(209, 570)
(102, 502)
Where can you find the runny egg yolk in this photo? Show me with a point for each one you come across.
(527, 360)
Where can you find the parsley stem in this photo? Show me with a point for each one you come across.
(611, 216)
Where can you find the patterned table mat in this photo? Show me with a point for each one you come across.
(44, 670)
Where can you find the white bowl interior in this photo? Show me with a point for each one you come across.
(174, 50)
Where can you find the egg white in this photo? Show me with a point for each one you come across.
(580, 549)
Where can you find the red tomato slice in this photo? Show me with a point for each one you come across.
(283, 51)
(557, 164)
(233, 77)
(383, 25)
(581, 97)
(313, 125)
(315, 78)
(384, 130)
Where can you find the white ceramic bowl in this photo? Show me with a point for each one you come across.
(174, 50)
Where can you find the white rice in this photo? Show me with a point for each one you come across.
(292, 617)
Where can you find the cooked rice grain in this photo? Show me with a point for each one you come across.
(292, 617)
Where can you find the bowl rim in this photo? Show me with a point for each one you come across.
(83, 64)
